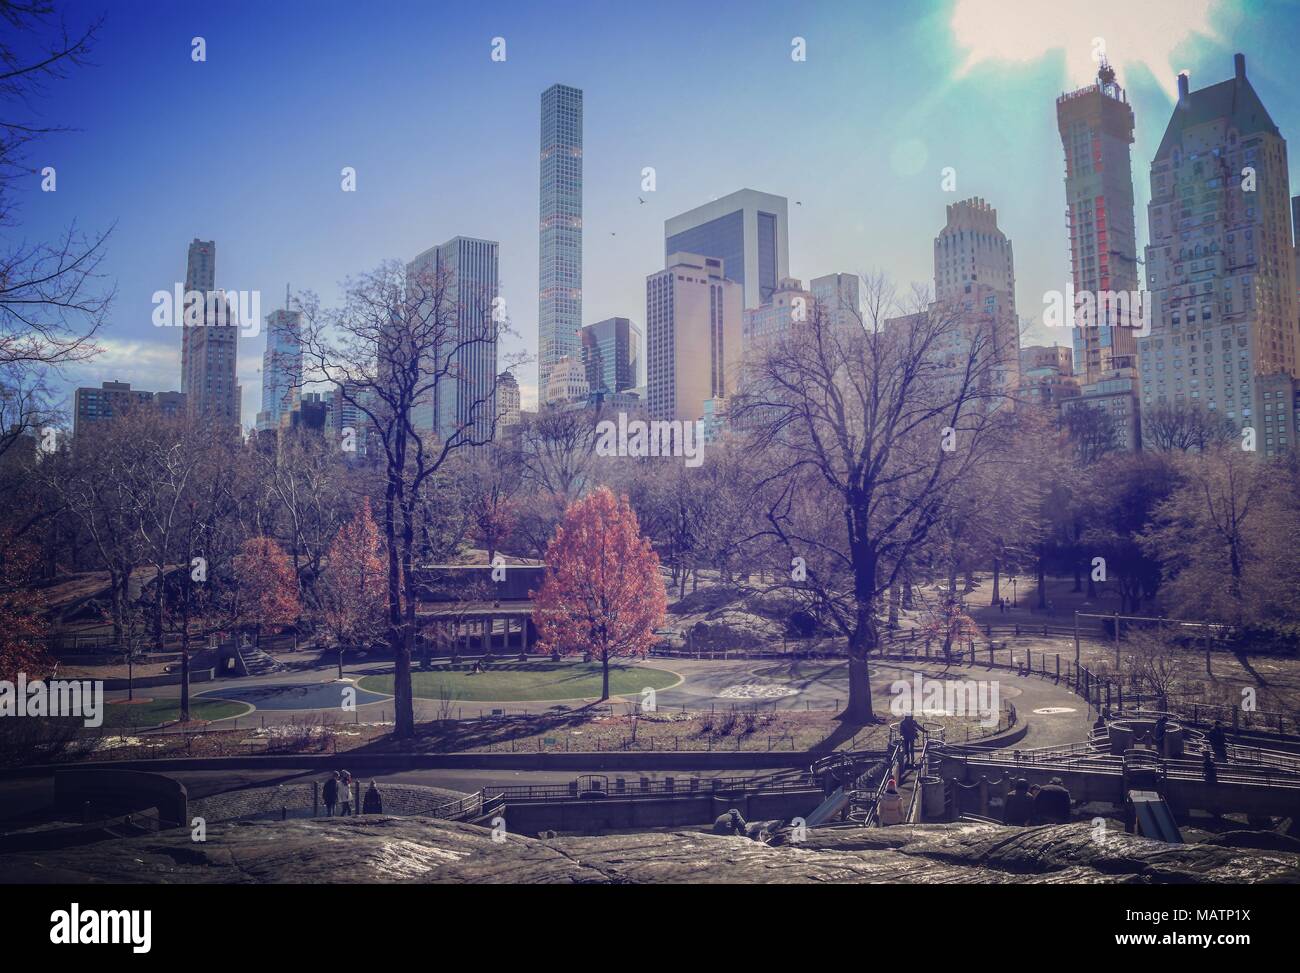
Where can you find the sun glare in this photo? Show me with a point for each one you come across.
(1128, 33)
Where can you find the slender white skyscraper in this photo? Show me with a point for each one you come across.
(559, 310)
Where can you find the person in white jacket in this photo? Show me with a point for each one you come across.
(891, 805)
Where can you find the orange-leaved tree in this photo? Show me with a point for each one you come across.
(602, 593)
(23, 626)
(268, 585)
(354, 593)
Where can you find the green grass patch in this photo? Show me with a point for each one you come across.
(169, 710)
(511, 682)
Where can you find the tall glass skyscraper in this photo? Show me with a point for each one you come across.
(747, 231)
(281, 367)
(559, 310)
(463, 404)
(611, 354)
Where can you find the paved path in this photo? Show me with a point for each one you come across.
(1055, 715)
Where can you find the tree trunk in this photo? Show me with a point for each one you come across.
(403, 701)
(185, 683)
(1042, 583)
(403, 712)
(158, 608)
(997, 569)
(859, 708)
(604, 676)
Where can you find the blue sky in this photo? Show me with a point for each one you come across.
(246, 148)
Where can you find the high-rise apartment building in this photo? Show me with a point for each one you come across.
(1220, 263)
(463, 403)
(838, 299)
(693, 336)
(281, 367)
(559, 309)
(611, 354)
(747, 230)
(347, 425)
(92, 406)
(1047, 375)
(210, 349)
(1096, 126)
(567, 384)
(508, 403)
(789, 305)
(974, 274)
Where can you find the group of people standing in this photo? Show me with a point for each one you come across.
(338, 793)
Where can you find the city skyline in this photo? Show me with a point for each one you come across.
(890, 231)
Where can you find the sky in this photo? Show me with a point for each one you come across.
(246, 147)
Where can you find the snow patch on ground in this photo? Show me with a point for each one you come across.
(756, 690)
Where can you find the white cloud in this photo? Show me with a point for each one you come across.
(1130, 32)
(150, 365)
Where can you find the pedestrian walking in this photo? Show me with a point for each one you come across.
(331, 794)
(373, 803)
(345, 794)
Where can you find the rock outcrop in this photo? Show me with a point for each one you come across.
(421, 850)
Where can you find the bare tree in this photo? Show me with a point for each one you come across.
(402, 347)
(51, 299)
(1092, 430)
(872, 432)
(1170, 426)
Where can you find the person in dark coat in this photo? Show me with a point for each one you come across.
(1210, 770)
(1052, 803)
(1158, 735)
(1018, 807)
(331, 794)
(908, 731)
(372, 803)
(1218, 742)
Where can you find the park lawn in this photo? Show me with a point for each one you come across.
(169, 710)
(510, 682)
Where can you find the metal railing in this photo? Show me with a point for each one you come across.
(598, 786)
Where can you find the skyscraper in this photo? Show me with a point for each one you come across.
(747, 230)
(281, 367)
(693, 343)
(508, 403)
(1096, 126)
(463, 403)
(567, 384)
(559, 309)
(974, 273)
(837, 296)
(611, 354)
(1220, 264)
(210, 349)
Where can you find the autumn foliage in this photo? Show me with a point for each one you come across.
(949, 623)
(354, 587)
(602, 593)
(22, 613)
(268, 585)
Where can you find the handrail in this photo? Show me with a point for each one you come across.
(921, 772)
(873, 813)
